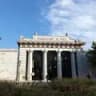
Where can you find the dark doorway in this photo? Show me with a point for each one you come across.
(37, 65)
(52, 65)
(66, 64)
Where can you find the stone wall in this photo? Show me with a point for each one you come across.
(8, 64)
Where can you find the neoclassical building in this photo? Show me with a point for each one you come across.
(49, 57)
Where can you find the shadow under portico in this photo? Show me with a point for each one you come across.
(66, 64)
(37, 65)
(52, 65)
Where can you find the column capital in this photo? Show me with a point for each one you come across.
(45, 50)
(59, 50)
(30, 50)
(73, 52)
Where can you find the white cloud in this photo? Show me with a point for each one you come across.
(84, 22)
(77, 17)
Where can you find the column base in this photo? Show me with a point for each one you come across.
(45, 81)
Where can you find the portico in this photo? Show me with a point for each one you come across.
(47, 57)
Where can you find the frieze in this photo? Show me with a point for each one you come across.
(50, 46)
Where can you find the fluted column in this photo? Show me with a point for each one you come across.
(73, 64)
(30, 56)
(59, 65)
(45, 66)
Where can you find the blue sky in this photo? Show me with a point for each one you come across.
(47, 17)
(21, 17)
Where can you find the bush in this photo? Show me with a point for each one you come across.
(64, 87)
(75, 87)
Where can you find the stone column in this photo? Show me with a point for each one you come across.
(59, 65)
(78, 62)
(18, 65)
(30, 56)
(73, 64)
(45, 66)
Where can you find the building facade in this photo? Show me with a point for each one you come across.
(49, 57)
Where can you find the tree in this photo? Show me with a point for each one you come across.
(91, 55)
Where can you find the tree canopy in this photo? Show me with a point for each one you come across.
(91, 55)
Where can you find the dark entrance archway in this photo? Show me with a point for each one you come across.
(37, 65)
(52, 65)
(66, 64)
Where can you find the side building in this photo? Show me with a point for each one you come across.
(8, 64)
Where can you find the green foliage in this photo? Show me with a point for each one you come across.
(65, 87)
(91, 54)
